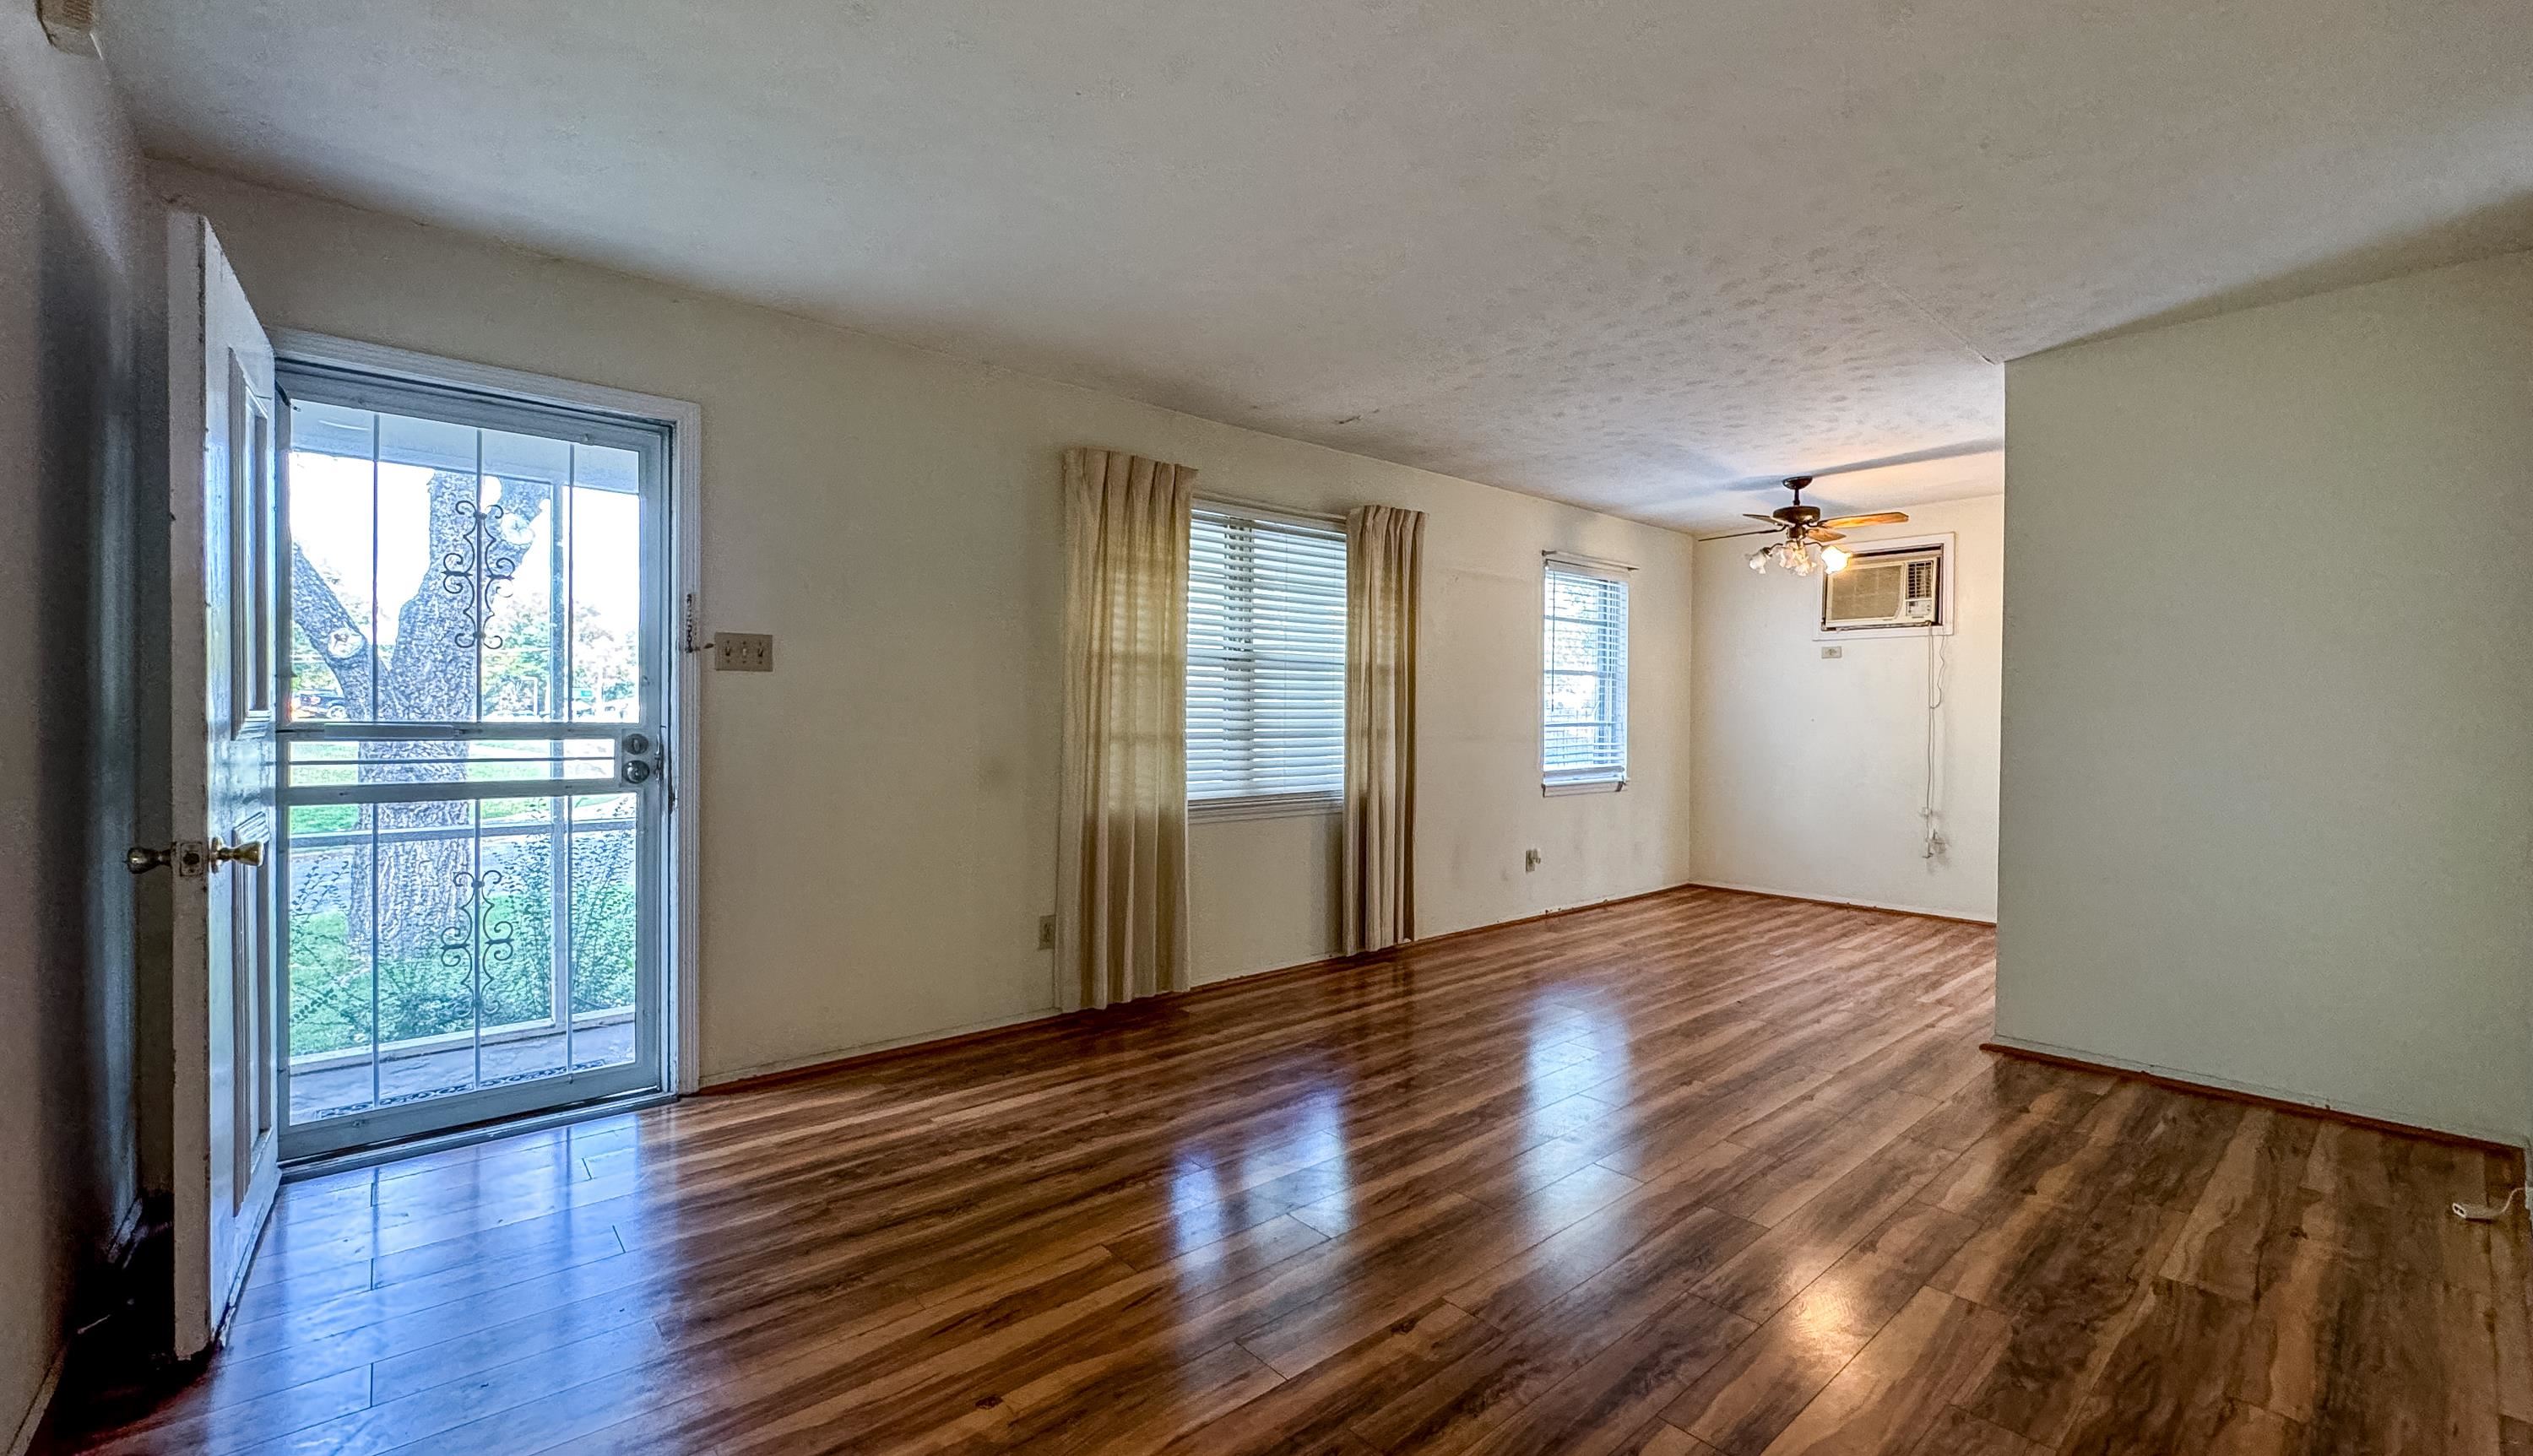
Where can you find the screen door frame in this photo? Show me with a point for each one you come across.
(665, 433)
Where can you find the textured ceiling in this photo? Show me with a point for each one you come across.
(1632, 253)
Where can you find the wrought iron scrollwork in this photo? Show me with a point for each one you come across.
(495, 535)
(477, 942)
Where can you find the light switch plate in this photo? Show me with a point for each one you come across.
(743, 652)
(1833, 652)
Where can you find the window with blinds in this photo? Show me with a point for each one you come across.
(1266, 663)
(1583, 728)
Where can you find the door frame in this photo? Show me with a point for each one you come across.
(682, 593)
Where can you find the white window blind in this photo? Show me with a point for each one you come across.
(1266, 669)
(1584, 697)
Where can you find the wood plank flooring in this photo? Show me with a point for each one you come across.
(1702, 1173)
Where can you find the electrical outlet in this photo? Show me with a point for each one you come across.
(1046, 932)
(743, 652)
(1833, 652)
(1529, 861)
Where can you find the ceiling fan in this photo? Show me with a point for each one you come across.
(1805, 547)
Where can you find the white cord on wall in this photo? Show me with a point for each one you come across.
(1933, 843)
(2489, 1212)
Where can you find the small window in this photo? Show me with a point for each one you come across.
(1583, 730)
(1266, 663)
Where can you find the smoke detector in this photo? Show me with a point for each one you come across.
(69, 24)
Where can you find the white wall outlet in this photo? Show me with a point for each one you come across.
(1833, 652)
(743, 652)
(1529, 861)
(1046, 932)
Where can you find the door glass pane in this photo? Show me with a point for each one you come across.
(332, 981)
(445, 574)
(464, 921)
(331, 569)
(605, 926)
(606, 523)
(456, 930)
(426, 632)
(424, 923)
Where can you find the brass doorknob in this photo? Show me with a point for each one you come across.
(237, 854)
(189, 858)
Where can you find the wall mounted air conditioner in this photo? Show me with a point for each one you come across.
(1883, 590)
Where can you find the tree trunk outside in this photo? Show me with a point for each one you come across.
(427, 908)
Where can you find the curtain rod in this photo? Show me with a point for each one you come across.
(1580, 560)
(1216, 498)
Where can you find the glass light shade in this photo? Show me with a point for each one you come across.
(1834, 559)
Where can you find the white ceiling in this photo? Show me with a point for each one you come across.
(1640, 255)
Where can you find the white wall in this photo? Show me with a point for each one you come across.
(878, 832)
(78, 294)
(1809, 771)
(2268, 723)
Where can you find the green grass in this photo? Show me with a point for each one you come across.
(424, 990)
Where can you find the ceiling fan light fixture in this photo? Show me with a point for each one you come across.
(1800, 557)
(1799, 552)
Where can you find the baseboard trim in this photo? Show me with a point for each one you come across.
(2274, 1098)
(774, 1074)
(1570, 909)
(31, 1424)
(1424, 942)
(1919, 911)
(105, 1281)
(751, 1079)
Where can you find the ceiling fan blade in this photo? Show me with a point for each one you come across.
(1770, 520)
(1818, 534)
(1879, 518)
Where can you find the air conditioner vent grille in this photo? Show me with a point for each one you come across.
(1885, 589)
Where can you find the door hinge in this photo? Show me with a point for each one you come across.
(690, 638)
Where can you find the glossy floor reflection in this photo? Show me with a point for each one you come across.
(1699, 1173)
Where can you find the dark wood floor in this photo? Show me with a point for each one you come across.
(1702, 1173)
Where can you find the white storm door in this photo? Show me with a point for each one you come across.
(474, 772)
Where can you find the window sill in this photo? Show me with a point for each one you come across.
(1561, 788)
(1868, 634)
(1274, 807)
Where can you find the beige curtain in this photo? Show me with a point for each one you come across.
(1122, 908)
(1385, 566)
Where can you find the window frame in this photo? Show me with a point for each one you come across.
(1597, 778)
(1222, 808)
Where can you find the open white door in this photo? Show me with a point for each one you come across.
(222, 683)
